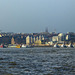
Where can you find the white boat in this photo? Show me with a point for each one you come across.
(26, 46)
(70, 45)
(56, 46)
(63, 46)
(23, 46)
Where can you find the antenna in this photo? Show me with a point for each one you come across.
(55, 30)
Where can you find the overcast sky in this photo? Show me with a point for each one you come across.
(30, 16)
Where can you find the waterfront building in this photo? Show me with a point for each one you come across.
(29, 39)
(37, 39)
(55, 38)
(19, 39)
(43, 37)
(5, 40)
(40, 37)
(50, 43)
(0, 35)
(61, 38)
(12, 41)
(34, 39)
(38, 42)
(67, 37)
(70, 36)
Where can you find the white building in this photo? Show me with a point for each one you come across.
(55, 38)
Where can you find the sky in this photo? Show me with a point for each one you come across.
(32, 16)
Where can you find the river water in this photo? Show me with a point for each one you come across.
(37, 61)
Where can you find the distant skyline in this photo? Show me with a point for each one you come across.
(28, 16)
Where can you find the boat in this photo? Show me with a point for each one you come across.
(70, 45)
(63, 46)
(23, 46)
(18, 46)
(56, 46)
(26, 46)
(12, 46)
(3, 46)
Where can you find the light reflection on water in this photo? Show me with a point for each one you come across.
(37, 61)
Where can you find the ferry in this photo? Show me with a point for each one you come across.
(14, 46)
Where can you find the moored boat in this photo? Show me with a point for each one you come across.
(12, 46)
(63, 46)
(18, 46)
(26, 46)
(56, 46)
(70, 45)
(3, 46)
(23, 46)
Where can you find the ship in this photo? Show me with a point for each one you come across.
(14, 46)
(18, 46)
(3, 46)
(70, 45)
(23, 46)
(63, 46)
(56, 46)
(26, 46)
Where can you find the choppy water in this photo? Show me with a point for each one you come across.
(37, 61)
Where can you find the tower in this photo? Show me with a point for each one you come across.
(12, 41)
(46, 30)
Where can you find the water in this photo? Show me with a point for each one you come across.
(37, 61)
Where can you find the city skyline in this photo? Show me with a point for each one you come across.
(29, 16)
